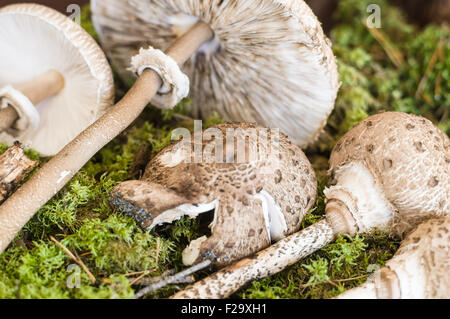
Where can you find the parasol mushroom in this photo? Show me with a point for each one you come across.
(54, 78)
(159, 73)
(258, 199)
(269, 61)
(390, 171)
(419, 269)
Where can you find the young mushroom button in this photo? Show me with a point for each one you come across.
(259, 196)
(54, 79)
(269, 61)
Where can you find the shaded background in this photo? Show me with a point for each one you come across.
(420, 12)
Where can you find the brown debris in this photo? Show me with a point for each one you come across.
(14, 168)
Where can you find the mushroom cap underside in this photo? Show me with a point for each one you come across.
(254, 202)
(269, 62)
(407, 155)
(35, 39)
(422, 262)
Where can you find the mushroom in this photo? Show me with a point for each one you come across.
(419, 269)
(14, 167)
(259, 193)
(269, 61)
(160, 75)
(391, 171)
(54, 78)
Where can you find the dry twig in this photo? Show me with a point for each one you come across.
(75, 259)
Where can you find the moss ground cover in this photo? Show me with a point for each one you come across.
(412, 75)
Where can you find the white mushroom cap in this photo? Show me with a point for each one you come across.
(35, 39)
(269, 62)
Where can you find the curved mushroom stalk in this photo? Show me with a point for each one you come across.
(391, 171)
(419, 269)
(258, 200)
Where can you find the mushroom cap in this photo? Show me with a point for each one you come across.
(35, 39)
(254, 201)
(407, 155)
(269, 62)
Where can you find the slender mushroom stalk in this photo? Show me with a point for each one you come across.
(390, 171)
(26, 201)
(419, 269)
(36, 90)
(14, 167)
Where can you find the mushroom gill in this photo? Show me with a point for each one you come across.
(259, 184)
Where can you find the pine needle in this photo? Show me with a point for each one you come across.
(75, 259)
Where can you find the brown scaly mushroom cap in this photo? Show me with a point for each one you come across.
(254, 201)
(391, 166)
(269, 62)
(418, 270)
(35, 39)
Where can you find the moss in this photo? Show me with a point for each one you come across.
(113, 247)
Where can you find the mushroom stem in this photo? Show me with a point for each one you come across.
(42, 86)
(36, 90)
(23, 204)
(266, 262)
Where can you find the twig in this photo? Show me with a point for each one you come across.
(15, 166)
(172, 279)
(158, 247)
(332, 282)
(142, 274)
(135, 273)
(145, 273)
(182, 117)
(148, 281)
(436, 54)
(392, 52)
(75, 259)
